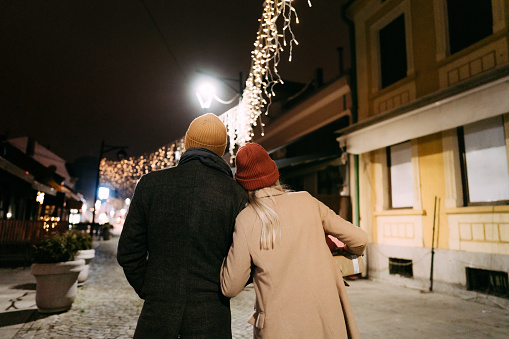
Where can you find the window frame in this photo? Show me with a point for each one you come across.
(389, 178)
(464, 171)
(390, 75)
(442, 26)
(454, 42)
(402, 8)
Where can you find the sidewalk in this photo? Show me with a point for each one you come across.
(384, 310)
(107, 307)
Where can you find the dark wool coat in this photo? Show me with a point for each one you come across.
(175, 237)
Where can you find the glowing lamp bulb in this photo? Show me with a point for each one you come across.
(205, 93)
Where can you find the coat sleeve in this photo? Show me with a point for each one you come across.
(236, 268)
(354, 237)
(132, 246)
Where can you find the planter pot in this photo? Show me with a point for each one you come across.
(57, 285)
(106, 233)
(86, 255)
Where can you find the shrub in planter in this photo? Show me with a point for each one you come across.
(83, 242)
(56, 273)
(57, 248)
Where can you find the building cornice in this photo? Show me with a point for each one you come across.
(464, 103)
(497, 74)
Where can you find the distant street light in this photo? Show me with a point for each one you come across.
(206, 90)
(121, 154)
(104, 193)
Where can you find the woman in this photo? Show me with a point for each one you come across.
(280, 236)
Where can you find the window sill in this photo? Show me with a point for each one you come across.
(393, 87)
(478, 209)
(397, 212)
(470, 49)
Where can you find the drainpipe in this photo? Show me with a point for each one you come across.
(357, 219)
(319, 77)
(353, 91)
(340, 61)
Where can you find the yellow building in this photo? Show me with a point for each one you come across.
(430, 141)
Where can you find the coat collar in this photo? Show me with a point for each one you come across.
(207, 158)
(268, 191)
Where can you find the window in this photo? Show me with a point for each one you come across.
(484, 163)
(399, 159)
(329, 181)
(469, 21)
(489, 282)
(403, 267)
(393, 58)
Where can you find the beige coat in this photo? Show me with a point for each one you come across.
(300, 292)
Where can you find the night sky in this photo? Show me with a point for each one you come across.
(73, 73)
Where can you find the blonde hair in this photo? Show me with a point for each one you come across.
(263, 207)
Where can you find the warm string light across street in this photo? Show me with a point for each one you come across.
(274, 34)
(101, 191)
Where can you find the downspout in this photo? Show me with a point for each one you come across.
(353, 91)
(357, 220)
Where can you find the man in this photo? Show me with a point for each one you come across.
(177, 232)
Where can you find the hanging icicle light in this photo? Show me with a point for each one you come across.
(263, 76)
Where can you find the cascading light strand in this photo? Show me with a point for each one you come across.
(263, 76)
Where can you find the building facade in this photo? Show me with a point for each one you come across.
(36, 197)
(299, 136)
(429, 146)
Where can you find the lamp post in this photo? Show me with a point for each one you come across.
(205, 92)
(121, 154)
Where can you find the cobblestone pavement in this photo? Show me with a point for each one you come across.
(242, 308)
(106, 307)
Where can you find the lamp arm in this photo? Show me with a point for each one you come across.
(112, 148)
(226, 102)
(224, 80)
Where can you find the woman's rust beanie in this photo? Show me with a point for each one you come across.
(254, 167)
(207, 131)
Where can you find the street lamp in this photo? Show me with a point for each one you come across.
(104, 193)
(121, 154)
(206, 90)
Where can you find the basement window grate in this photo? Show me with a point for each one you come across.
(490, 282)
(403, 267)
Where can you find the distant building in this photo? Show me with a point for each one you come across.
(44, 156)
(299, 136)
(34, 187)
(432, 125)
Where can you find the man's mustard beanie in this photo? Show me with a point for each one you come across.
(207, 131)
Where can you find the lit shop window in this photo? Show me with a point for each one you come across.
(74, 216)
(484, 163)
(40, 197)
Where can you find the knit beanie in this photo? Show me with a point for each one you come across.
(254, 167)
(207, 131)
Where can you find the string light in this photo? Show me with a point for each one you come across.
(123, 175)
(263, 76)
(240, 120)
